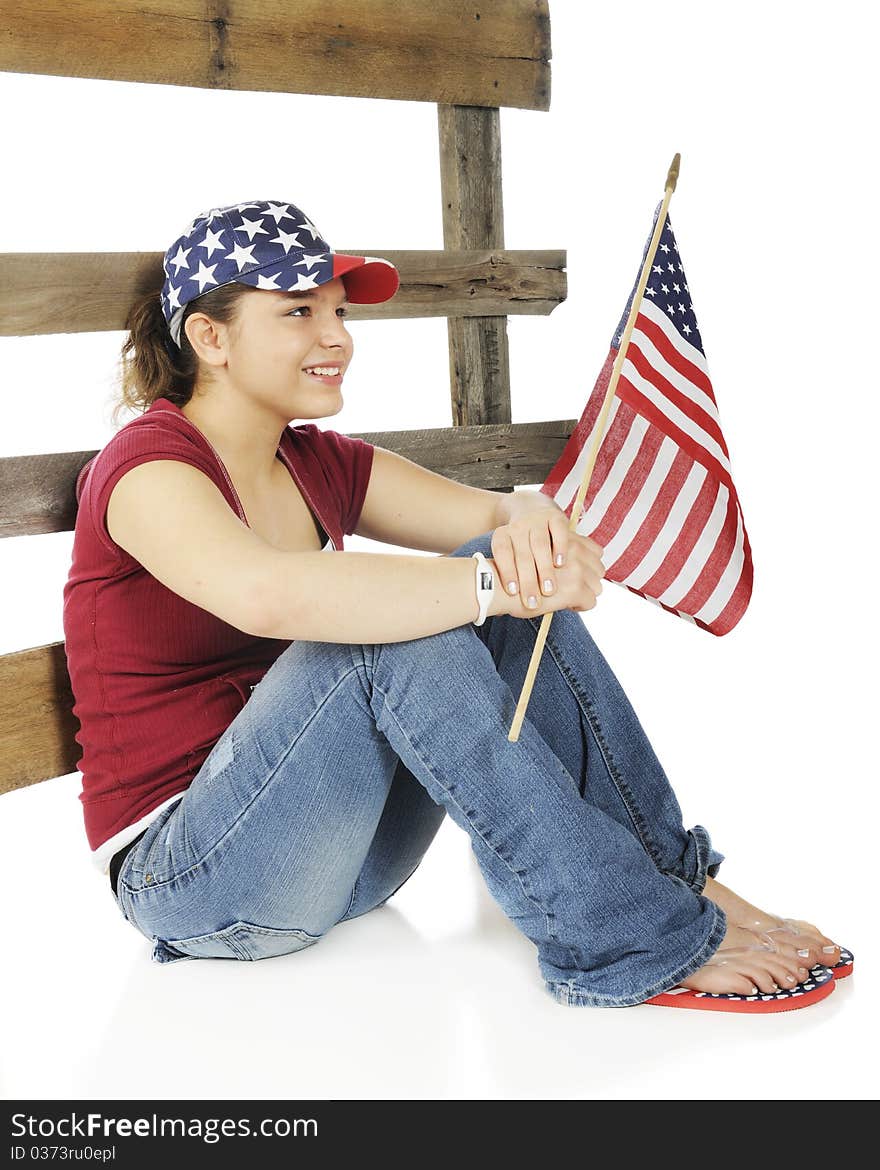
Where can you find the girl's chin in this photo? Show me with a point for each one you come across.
(318, 405)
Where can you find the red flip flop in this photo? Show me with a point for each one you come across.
(818, 985)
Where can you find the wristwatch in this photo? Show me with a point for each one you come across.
(485, 586)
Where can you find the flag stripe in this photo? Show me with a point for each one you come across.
(681, 562)
(710, 557)
(626, 495)
(655, 535)
(640, 395)
(653, 363)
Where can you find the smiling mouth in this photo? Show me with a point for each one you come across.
(324, 371)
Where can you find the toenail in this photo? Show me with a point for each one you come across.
(791, 979)
(804, 954)
(828, 950)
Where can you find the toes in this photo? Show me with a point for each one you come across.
(743, 985)
(801, 950)
(775, 973)
(766, 983)
(788, 975)
(815, 939)
(760, 974)
(793, 932)
(817, 955)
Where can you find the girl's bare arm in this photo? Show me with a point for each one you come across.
(371, 597)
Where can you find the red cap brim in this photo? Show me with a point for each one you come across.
(368, 280)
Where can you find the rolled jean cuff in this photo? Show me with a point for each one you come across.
(698, 861)
(567, 993)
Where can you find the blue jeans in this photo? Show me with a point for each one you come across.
(324, 793)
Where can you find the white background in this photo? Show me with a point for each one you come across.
(767, 733)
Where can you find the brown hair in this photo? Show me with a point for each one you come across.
(151, 365)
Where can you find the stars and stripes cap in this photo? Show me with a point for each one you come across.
(268, 244)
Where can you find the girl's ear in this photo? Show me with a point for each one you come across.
(208, 339)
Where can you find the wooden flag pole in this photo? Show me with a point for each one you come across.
(671, 180)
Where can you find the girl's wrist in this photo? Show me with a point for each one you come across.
(502, 599)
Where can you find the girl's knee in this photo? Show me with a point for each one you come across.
(481, 543)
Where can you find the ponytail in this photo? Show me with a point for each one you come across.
(151, 365)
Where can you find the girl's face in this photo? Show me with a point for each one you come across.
(290, 350)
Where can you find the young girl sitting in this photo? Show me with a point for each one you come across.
(272, 736)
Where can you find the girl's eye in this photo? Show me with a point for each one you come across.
(342, 311)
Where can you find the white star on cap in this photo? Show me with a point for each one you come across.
(204, 276)
(180, 259)
(308, 226)
(251, 226)
(241, 255)
(309, 261)
(268, 281)
(211, 241)
(302, 282)
(278, 211)
(173, 297)
(287, 239)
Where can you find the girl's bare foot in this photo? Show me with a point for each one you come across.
(810, 944)
(745, 965)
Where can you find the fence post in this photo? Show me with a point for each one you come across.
(473, 217)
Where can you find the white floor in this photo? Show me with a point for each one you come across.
(434, 996)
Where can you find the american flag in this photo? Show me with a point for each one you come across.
(661, 499)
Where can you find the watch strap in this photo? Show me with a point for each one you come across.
(485, 583)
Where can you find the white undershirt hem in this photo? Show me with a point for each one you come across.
(103, 855)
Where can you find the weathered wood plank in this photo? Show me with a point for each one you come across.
(465, 52)
(77, 292)
(492, 456)
(38, 491)
(473, 217)
(37, 724)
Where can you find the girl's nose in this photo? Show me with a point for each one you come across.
(333, 331)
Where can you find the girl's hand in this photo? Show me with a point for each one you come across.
(526, 553)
